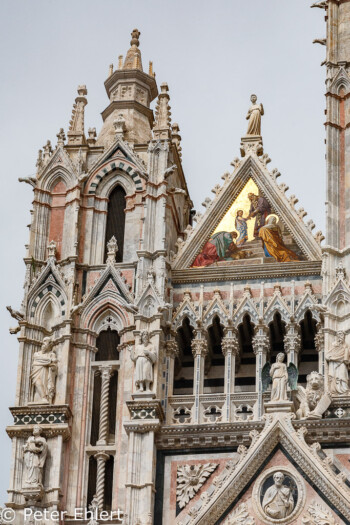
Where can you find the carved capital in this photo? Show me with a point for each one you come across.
(260, 344)
(171, 348)
(230, 345)
(292, 339)
(106, 372)
(199, 347)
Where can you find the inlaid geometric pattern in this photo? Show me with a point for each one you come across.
(111, 167)
(39, 419)
(46, 290)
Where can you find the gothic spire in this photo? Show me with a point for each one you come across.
(133, 56)
(76, 125)
(162, 127)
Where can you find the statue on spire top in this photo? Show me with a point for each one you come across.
(254, 116)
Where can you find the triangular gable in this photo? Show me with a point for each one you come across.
(59, 160)
(308, 503)
(118, 156)
(279, 431)
(111, 282)
(252, 171)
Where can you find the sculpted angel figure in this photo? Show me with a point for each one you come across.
(278, 500)
(280, 375)
(338, 358)
(144, 356)
(254, 116)
(35, 453)
(43, 372)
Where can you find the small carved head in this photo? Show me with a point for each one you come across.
(278, 478)
(253, 98)
(37, 430)
(280, 357)
(340, 336)
(46, 344)
(314, 381)
(144, 336)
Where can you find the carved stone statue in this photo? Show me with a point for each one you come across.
(338, 358)
(312, 402)
(278, 502)
(43, 372)
(144, 357)
(34, 453)
(254, 116)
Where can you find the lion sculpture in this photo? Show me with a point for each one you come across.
(312, 401)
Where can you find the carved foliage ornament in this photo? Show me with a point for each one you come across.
(240, 516)
(318, 515)
(190, 478)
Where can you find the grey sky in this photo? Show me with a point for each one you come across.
(213, 56)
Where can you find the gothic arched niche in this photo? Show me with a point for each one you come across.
(184, 364)
(49, 316)
(308, 357)
(245, 362)
(116, 220)
(215, 363)
(107, 346)
(58, 201)
(277, 329)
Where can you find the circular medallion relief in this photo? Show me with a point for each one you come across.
(278, 495)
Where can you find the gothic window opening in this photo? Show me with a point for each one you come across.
(214, 382)
(92, 476)
(277, 329)
(58, 206)
(107, 350)
(184, 364)
(116, 220)
(308, 356)
(245, 362)
(107, 346)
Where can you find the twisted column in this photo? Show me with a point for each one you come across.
(101, 458)
(260, 348)
(320, 345)
(292, 343)
(199, 351)
(106, 373)
(230, 349)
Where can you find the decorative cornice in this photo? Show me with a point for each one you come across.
(244, 272)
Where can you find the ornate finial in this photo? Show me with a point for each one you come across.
(61, 137)
(47, 151)
(177, 138)
(135, 38)
(162, 128)
(119, 126)
(91, 136)
(76, 124)
(112, 248)
(110, 72)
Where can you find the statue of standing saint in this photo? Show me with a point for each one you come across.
(43, 373)
(34, 452)
(254, 116)
(338, 358)
(144, 357)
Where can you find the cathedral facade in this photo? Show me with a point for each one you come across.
(176, 367)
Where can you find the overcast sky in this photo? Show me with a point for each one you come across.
(213, 56)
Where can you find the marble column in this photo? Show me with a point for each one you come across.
(292, 343)
(101, 458)
(106, 374)
(260, 347)
(171, 352)
(230, 350)
(199, 351)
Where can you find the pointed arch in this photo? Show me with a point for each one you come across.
(184, 364)
(214, 379)
(115, 225)
(245, 361)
